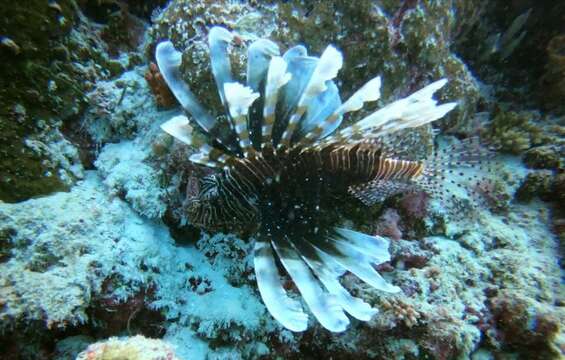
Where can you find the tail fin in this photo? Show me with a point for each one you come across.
(456, 171)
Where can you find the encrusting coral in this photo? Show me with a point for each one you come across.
(159, 88)
(134, 348)
(282, 162)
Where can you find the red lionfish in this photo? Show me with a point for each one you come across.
(283, 162)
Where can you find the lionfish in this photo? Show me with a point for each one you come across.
(283, 162)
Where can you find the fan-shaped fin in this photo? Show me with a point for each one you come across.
(210, 156)
(328, 271)
(371, 91)
(375, 247)
(379, 190)
(218, 39)
(259, 55)
(323, 305)
(277, 77)
(239, 98)
(319, 110)
(326, 69)
(355, 261)
(179, 128)
(169, 61)
(286, 310)
(415, 110)
(301, 67)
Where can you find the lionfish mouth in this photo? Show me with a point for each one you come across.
(283, 163)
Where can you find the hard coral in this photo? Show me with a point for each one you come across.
(163, 95)
(525, 326)
(388, 225)
(536, 183)
(514, 132)
(543, 157)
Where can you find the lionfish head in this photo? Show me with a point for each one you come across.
(283, 162)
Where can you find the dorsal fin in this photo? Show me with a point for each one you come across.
(259, 55)
(169, 62)
(300, 66)
(218, 39)
(239, 98)
(277, 77)
(368, 92)
(326, 69)
(413, 111)
(180, 129)
(320, 109)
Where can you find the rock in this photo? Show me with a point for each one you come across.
(536, 183)
(542, 157)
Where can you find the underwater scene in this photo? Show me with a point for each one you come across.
(363, 179)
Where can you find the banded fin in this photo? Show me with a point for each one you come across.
(300, 66)
(375, 247)
(328, 271)
(371, 91)
(259, 55)
(180, 129)
(319, 109)
(323, 305)
(415, 110)
(284, 309)
(277, 77)
(326, 69)
(218, 40)
(239, 98)
(169, 62)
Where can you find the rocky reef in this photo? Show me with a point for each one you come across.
(99, 260)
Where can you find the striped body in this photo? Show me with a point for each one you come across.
(248, 185)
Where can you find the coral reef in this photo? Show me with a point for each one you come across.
(60, 54)
(126, 174)
(77, 114)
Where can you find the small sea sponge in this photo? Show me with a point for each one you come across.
(133, 348)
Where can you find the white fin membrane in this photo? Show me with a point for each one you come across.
(169, 61)
(323, 305)
(218, 39)
(328, 272)
(286, 310)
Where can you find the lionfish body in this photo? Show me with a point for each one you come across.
(283, 164)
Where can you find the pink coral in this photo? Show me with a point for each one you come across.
(388, 225)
